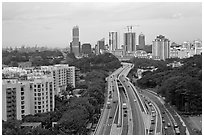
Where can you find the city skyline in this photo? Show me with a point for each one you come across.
(50, 24)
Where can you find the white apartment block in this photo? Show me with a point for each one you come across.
(62, 74)
(20, 98)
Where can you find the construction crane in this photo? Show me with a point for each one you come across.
(130, 27)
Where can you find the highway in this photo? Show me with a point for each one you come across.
(117, 119)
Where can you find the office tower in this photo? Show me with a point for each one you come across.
(75, 45)
(161, 48)
(141, 41)
(113, 41)
(100, 47)
(86, 48)
(130, 41)
(20, 98)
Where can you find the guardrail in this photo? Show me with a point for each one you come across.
(139, 99)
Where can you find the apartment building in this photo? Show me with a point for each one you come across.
(20, 98)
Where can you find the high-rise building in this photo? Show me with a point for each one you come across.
(113, 41)
(75, 44)
(100, 47)
(161, 48)
(129, 41)
(141, 41)
(86, 48)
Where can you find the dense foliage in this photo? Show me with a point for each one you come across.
(37, 58)
(181, 86)
(106, 62)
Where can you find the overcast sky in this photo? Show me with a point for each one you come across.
(51, 24)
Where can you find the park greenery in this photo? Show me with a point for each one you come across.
(73, 114)
(37, 58)
(180, 86)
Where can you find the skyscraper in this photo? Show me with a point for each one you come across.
(75, 44)
(100, 47)
(141, 41)
(129, 41)
(161, 48)
(113, 41)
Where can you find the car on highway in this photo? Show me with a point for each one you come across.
(151, 130)
(125, 115)
(135, 100)
(163, 121)
(165, 127)
(175, 125)
(153, 114)
(177, 131)
(168, 124)
(108, 105)
(110, 117)
(152, 119)
(153, 122)
(124, 106)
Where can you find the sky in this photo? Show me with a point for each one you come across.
(50, 24)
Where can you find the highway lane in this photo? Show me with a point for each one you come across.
(138, 124)
(105, 124)
(166, 116)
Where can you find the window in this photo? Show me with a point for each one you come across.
(39, 94)
(22, 93)
(39, 86)
(22, 107)
(22, 102)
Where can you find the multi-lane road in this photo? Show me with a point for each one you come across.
(128, 112)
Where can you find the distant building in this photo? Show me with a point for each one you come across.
(141, 41)
(198, 46)
(161, 48)
(100, 47)
(113, 41)
(129, 42)
(86, 48)
(75, 44)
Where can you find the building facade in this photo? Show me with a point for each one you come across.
(129, 42)
(75, 44)
(86, 48)
(113, 41)
(161, 48)
(100, 47)
(141, 41)
(20, 98)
